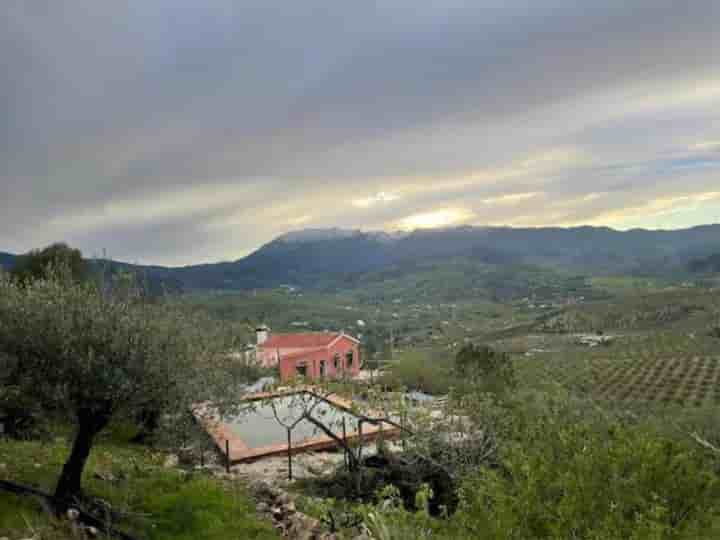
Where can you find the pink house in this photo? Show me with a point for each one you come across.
(310, 354)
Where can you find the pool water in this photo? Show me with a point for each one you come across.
(262, 423)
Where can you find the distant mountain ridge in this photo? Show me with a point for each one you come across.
(7, 260)
(316, 235)
(321, 257)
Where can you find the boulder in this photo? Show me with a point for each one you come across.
(263, 490)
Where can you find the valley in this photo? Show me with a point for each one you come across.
(569, 350)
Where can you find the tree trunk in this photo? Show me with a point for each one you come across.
(148, 420)
(90, 423)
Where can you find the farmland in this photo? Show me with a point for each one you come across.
(660, 348)
(685, 381)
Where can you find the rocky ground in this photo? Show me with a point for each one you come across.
(279, 506)
(269, 482)
(274, 470)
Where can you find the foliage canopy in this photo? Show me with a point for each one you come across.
(97, 355)
(36, 263)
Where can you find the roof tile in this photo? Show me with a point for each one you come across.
(306, 340)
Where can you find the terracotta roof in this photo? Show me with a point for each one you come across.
(304, 340)
(301, 354)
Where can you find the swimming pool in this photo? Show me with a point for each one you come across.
(265, 422)
(259, 429)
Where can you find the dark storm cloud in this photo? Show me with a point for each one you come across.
(228, 122)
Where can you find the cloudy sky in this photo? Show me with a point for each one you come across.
(176, 132)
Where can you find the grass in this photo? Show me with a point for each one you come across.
(157, 503)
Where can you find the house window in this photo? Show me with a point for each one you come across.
(301, 370)
(336, 362)
(323, 368)
(350, 358)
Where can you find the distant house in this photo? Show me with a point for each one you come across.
(311, 354)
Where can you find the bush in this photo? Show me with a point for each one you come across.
(20, 415)
(421, 371)
(490, 370)
(568, 470)
(580, 481)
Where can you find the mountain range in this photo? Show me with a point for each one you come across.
(322, 258)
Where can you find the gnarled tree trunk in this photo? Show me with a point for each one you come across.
(69, 486)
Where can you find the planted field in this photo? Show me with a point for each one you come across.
(664, 368)
(687, 381)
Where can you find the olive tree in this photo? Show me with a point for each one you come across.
(484, 367)
(36, 263)
(95, 355)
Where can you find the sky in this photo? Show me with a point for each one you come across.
(179, 132)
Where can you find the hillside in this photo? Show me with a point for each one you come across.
(335, 259)
(710, 264)
(314, 260)
(6, 260)
(151, 501)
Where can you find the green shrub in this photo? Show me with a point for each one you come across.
(575, 481)
(420, 370)
(569, 470)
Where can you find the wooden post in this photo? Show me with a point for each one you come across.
(359, 472)
(227, 456)
(289, 454)
(346, 458)
(403, 423)
(379, 439)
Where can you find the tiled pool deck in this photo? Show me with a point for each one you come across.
(240, 452)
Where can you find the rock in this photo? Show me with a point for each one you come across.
(296, 530)
(263, 490)
(302, 526)
(73, 514)
(92, 531)
(210, 469)
(171, 461)
(105, 477)
(277, 511)
(290, 508)
(262, 508)
(283, 498)
(188, 455)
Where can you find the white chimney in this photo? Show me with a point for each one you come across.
(263, 333)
